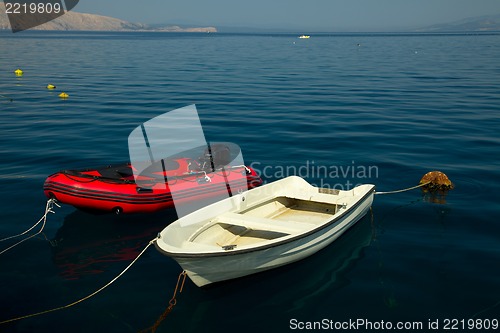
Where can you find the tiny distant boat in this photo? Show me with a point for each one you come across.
(263, 228)
(114, 188)
(304, 36)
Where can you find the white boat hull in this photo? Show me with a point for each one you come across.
(206, 265)
(207, 270)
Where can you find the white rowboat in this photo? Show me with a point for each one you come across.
(263, 228)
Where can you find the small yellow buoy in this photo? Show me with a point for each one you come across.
(436, 181)
(51, 86)
(18, 72)
(63, 95)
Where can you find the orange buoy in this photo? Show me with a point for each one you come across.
(436, 181)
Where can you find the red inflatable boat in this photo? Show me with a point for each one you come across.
(114, 188)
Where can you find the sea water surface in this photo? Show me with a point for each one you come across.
(336, 109)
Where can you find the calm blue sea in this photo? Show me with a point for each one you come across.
(336, 109)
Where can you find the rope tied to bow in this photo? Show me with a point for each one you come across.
(48, 209)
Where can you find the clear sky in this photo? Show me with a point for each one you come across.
(311, 15)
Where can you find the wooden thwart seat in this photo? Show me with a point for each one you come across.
(261, 223)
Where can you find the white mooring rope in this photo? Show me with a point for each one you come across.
(403, 190)
(86, 297)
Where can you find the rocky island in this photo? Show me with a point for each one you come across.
(74, 21)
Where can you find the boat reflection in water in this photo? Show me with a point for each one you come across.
(89, 244)
(310, 280)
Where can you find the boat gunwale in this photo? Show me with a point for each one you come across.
(83, 173)
(269, 244)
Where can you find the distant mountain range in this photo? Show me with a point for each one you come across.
(481, 23)
(73, 21)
